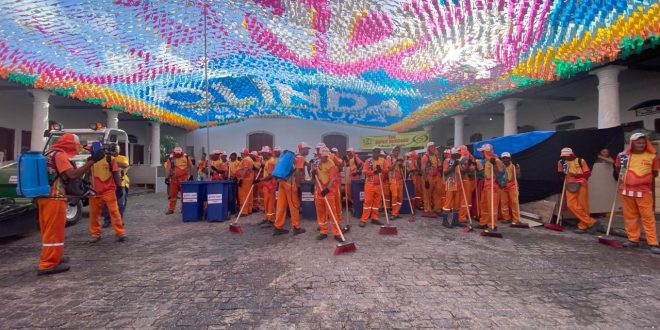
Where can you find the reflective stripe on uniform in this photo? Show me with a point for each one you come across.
(52, 244)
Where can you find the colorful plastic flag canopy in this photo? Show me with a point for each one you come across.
(381, 63)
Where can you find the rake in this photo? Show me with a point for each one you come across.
(492, 233)
(405, 186)
(469, 227)
(557, 226)
(611, 241)
(234, 227)
(386, 229)
(515, 180)
(343, 247)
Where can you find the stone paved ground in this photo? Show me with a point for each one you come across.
(198, 275)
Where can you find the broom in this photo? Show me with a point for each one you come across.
(234, 227)
(386, 229)
(491, 233)
(469, 227)
(557, 226)
(412, 211)
(343, 247)
(610, 241)
(515, 179)
(348, 216)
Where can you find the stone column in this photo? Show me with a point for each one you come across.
(155, 144)
(609, 112)
(458, 130)
(113, 118)
(510, 116)
(40, 107)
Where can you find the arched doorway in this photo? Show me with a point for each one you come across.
(336, 140)
(256, 140)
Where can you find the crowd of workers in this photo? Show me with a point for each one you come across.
(445, 185)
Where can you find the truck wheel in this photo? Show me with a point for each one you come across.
(73, 214)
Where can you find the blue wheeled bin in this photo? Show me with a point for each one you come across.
(193, 200)
(357, 195)
(405, 208)
(217, 200)
(307, 202)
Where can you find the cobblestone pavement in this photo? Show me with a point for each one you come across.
(171, 274)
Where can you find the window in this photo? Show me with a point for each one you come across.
(256, 140)
(336, 140)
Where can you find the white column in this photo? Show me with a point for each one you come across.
(458, 130)
(40, 107)
(510, 116)
(609, 112)
(155, 144)
(113, 119)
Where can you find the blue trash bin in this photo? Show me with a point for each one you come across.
(307, 203)
(217, 200)
(405, 208)
(357, 195)
(193, 200)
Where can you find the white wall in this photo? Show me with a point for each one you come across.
(287, 134)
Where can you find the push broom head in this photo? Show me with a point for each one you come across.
(488, 233)
(411, 218)
(345, 248)
(236, 229)
(388, 230)
(519, 225)
(468, 229)
(553, 226)
(346, 228)
(610, 242)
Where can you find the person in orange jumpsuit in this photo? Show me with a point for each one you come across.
(105, 180)
(510, 204)
(394, 168)
(177, 167)
(257, 196)
(373, 168)
(339, 163)
(490, 192)
(638, 167)
(52, 209)
(416, 175)
(576, 173)
(326, 172)
(245, 177)
(386, 184)
(201, 168)
(469, 184)
(268, 187)
(432, 176)
(218, 167)
(288, 196)
(355, 168)
(453, 187)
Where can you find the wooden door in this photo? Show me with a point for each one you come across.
(336, 141)
(7, 143)
(138, 154)
(26, 141)
(257, 140)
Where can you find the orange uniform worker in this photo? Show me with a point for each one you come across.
(218, 167)
(453, 187)
(334, 152)
(394, 168)
(509, 199)
(326, 172)
(576, 172)
(257, 196)
(490, 192)
(386, 184)
(469, 183)
(355, 170)
(638, 165)
(416, 174)
(432, 177)
(52, 209)
(201, 168)
(373, 168)
(288, 197)
(268, 186)
(105, 180)
(245, 177)
(234, 166)
(177, 167)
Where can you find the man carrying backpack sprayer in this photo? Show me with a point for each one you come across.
(510, 204)
(105, 180)
(638, 165)
(576, 172)
(122, 190)
(177, 167)
(52, 209)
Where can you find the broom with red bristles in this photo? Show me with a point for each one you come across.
(615, 243)
(387, 229)
(343, 247)
(234, 227)
(491, 232)
(557, 226)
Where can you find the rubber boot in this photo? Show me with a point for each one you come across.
(454, 219)
(445, 220)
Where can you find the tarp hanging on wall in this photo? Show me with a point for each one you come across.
(514, 143)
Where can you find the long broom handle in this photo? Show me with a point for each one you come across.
(616, 192)
(327, 204)
(467, 207)
(245, 201)
(405, 185)
(347, 173)
(382, 194)
(561, 202)
(492, 196)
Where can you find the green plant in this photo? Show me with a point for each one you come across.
(167, 143)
